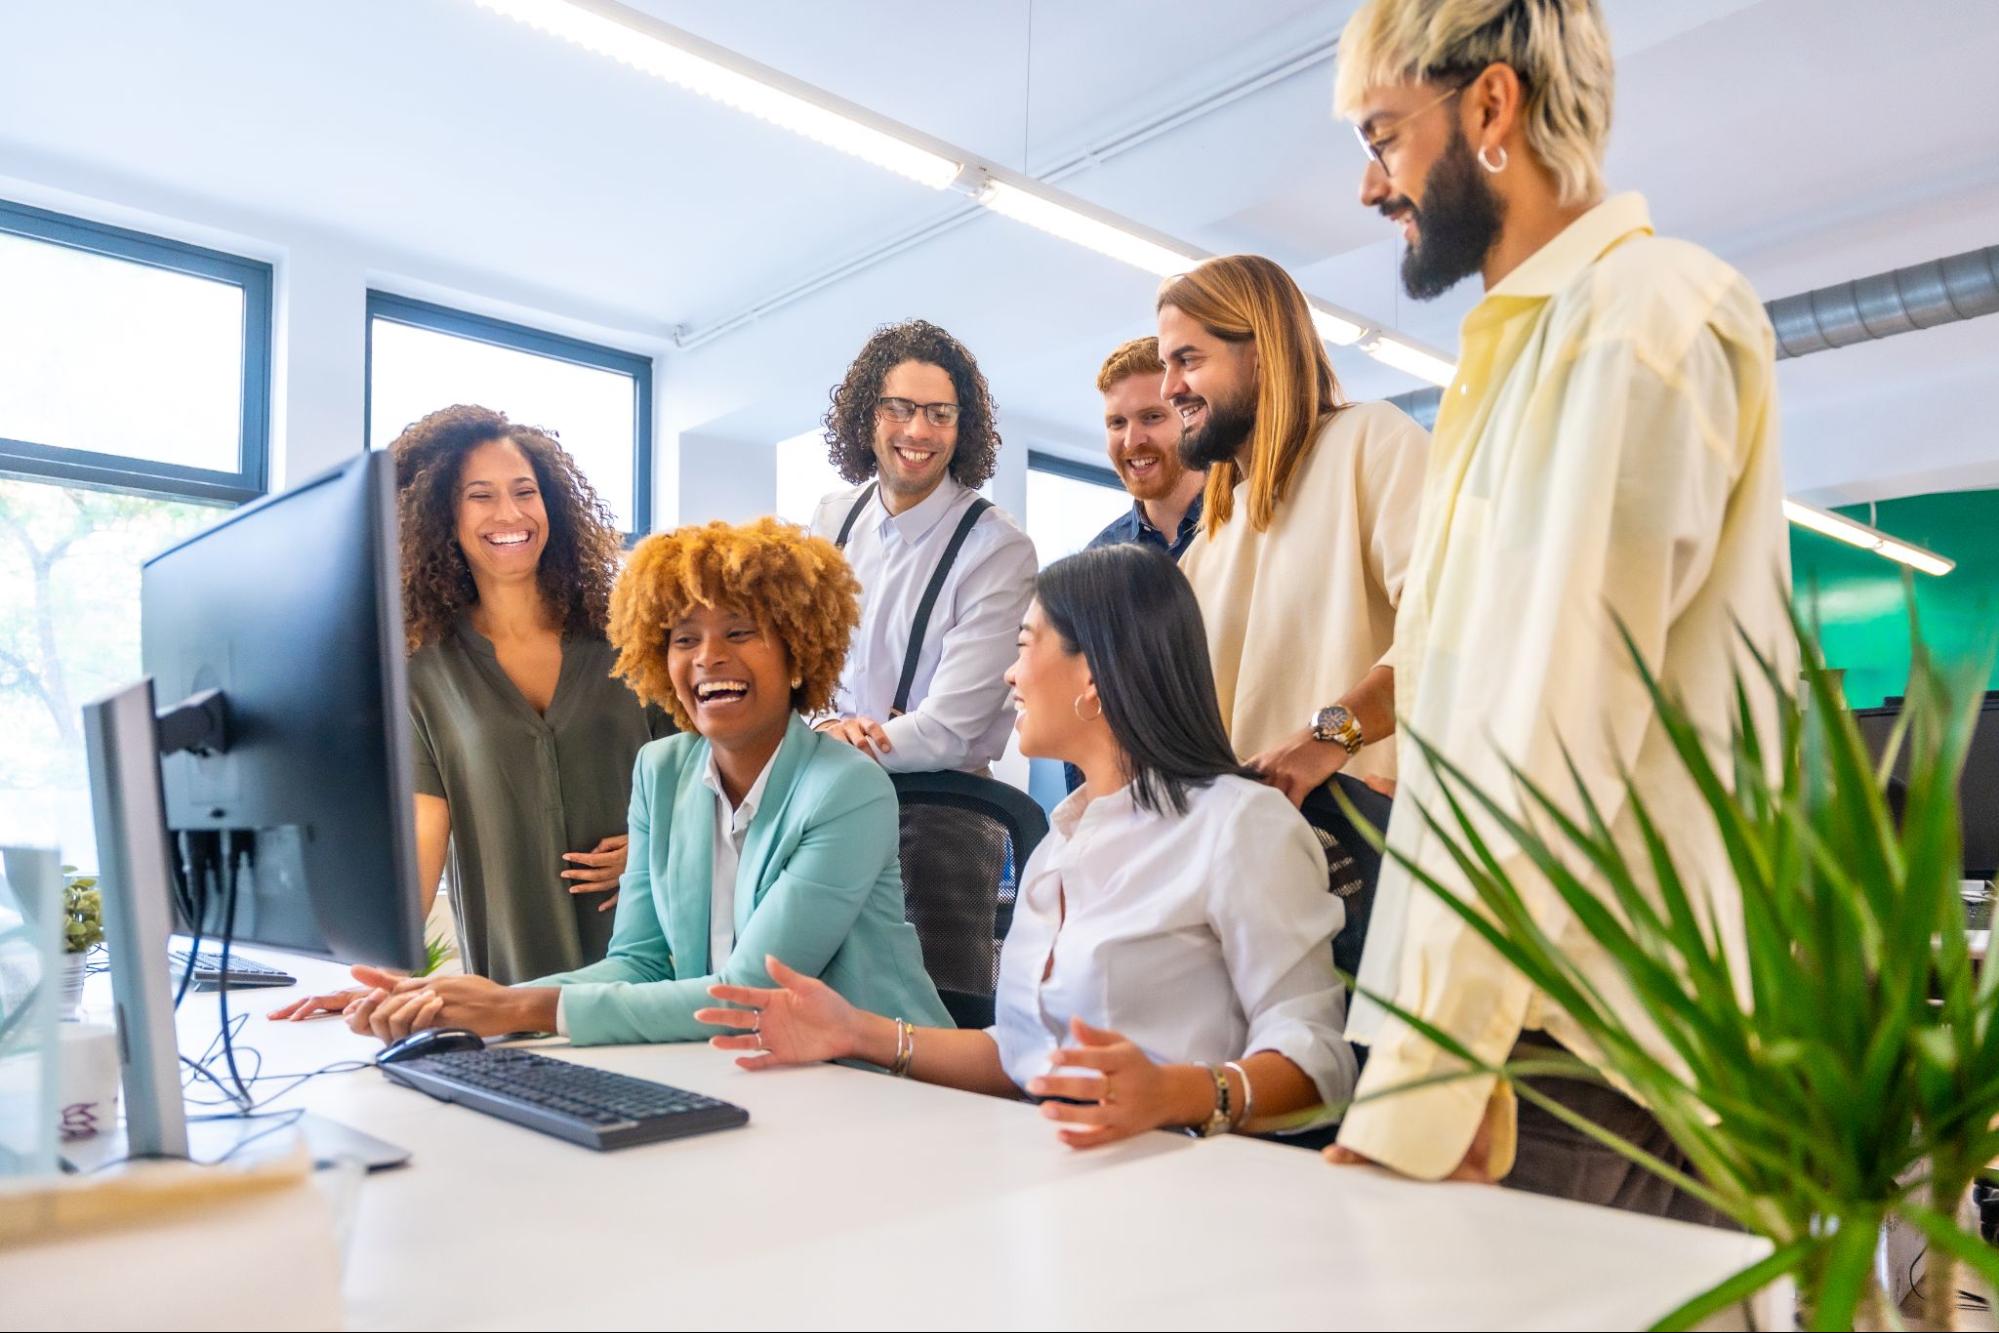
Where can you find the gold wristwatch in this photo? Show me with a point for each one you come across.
(1336, 724)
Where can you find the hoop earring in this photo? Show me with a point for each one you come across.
(1076, 706)
(1493, 168)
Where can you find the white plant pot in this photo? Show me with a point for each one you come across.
(70, 998)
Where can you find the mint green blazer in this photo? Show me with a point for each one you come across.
(819, 886)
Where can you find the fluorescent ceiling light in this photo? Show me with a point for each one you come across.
(1337, 329)
(1411, 359)
(1079, 228)
(1841, 528)
(666, 53)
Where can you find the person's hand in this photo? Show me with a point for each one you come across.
(1128, 1095)
(801, 1021)
(397, 1006)
(1475, 1168)
(1300, 764)
(598, 869)
(863, 733)
(316, 1006)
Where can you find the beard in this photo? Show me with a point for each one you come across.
(1228, 426)
(1457, 225)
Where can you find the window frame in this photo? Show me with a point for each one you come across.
(435, 318)
(32, 460)
(1096, 474)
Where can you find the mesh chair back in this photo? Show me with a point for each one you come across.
(964, 841)
(1353, 867)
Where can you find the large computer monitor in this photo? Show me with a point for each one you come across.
(263, 764)
(1977, 788)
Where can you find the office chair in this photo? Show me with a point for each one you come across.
(1353, 867)
(964, 842)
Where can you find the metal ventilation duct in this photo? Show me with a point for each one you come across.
(1901, 300)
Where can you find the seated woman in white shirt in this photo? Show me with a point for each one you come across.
(1169, 963)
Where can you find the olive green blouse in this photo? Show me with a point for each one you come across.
(525, 787)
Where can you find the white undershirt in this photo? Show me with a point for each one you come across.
(732, 827)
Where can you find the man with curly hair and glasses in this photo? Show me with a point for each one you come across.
(757, 845)
(1605, 465)
(945, 576)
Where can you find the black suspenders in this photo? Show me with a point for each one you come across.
(920, 626)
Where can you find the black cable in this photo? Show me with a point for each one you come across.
(229, 876)
(190, 889)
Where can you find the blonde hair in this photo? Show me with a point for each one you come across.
(1140, 356)
(1247, 298)
(795, 586)
(1559, 48)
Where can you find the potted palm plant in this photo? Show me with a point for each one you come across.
(1851, 1078)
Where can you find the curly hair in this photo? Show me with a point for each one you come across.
(793, 585)
(577, 565)
(850, 421)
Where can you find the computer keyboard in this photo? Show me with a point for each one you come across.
(593, 1107)
(243, 974)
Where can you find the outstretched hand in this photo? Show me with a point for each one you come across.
(800, 1021)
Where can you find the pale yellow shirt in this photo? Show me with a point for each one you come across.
(1297, 614)
(1608, 449)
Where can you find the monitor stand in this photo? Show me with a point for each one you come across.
(123, 743)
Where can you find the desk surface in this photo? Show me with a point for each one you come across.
(856, 1200)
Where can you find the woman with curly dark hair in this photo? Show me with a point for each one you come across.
(523, 742)
(753, 838)
(947, 575)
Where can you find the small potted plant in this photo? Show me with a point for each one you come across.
(82, 931)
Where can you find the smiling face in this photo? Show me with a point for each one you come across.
(730, 676)
(1142, 435)
(502, 525)
(1054, 693)
(913, 455)
(1429, 184)
(1211, 382)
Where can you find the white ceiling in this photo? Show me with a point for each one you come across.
(1807, 141)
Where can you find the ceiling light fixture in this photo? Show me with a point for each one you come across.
(1853, 533)
(1411, 358)
(1072, 224)
(667, 52)
(653, 47)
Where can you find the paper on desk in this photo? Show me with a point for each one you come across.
(171, 1245)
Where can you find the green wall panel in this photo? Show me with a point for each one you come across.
(1858, 599)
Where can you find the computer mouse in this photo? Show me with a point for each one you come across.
(430, 1041)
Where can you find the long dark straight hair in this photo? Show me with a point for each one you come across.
(1131, 613)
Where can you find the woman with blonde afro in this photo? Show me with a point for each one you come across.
(753, 838)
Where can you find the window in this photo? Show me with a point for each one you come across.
(1068, 503)
(131, 361)
(596, 400)
(805, 476)
(134, 408)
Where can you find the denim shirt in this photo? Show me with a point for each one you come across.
(1131, 526)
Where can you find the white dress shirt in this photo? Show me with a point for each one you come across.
(1202, 937)
(958, 716)
(732, 827)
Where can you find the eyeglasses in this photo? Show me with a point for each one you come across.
(903, 411)
(1377, 145)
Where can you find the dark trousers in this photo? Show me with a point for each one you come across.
(1552, 1158)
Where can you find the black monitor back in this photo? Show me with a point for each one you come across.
(292, 606)
(1977, 789)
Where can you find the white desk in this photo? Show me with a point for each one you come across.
(856, 1200)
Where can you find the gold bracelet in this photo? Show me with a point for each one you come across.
(905, 1048)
